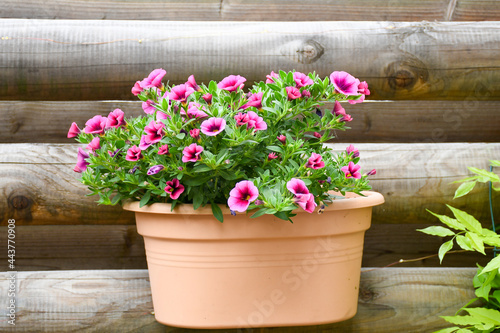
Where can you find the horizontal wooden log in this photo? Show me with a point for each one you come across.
(256, 10)
(68, 247)
(89, 60)
(38, 184)
(392, 300)
(374, 121)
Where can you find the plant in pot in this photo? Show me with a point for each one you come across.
(294, 213)
(481, 314)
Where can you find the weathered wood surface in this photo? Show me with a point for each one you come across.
(95, 60)
(255, 10)
(391, 300)
(38, 184)
(374, 121)
(68, 247)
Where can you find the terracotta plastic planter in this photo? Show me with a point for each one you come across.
(260, 272)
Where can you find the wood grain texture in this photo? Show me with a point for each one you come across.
(68, 247)
(374, 121)
(95, 60)
(38, 185)
(391, 300)
(234, 10)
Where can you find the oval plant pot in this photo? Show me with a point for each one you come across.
(261, 272)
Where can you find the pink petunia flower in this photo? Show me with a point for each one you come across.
(363, 88)
(315, 162)
(191, 82)
(345, 83)
(174, 188)
(81, 161)
(254, 100)
(192, 153)
(346, 118)
(371, 172)
(137, 88)
(297, 186)
(207, 98)
(148, 106)
(252, 120)
(306, 94)
(154, 131)
(155, 169)
(317, 135)
(272, 156)
(302, 80)
(338, 109)
(353, 150)
(154, 79)
(213, 126)
(306, 202)
(116, 119)
(270, 78)
(73, 130)
(163, 150)
(180, 93)
(293, 93)
(94, 145)
(95, 125)
(195, 110)
(240, 197)
(351, 170)
(282, 139)
(134, 153)
(195, 133)
(232, 83)
(161, 115)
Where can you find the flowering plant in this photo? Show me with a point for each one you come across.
(215, 144)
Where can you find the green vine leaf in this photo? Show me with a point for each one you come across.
(463, 189)
(487, 316)
(450, 222)
(464, 243)
(444, 248)
(492, 265)
(437, 231)
(467, 220)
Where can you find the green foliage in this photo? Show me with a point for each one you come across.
(471, 236)
(239, 152)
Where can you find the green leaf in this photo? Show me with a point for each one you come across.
(492, 265)
(445, 247)
(437, 231)
(487, 175)
(492, 241)
(196, 181)
(229, 175)
(462, 320)
(463, 189)
(488, 316)
(145, 199)
(217, 212)
(283, 216)
(495, 163)
(258, 213)
(466, 219)
(180, 136)
(275, 149)
(452, 223)
(464, 243)
(197, 199)
(448, 329)
(201, 168)
(476, 242)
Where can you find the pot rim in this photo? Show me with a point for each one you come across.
(352, 201)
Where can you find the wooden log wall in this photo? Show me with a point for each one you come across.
(434, 73)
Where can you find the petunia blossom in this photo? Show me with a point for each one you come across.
(94, 145)
(213, 126)
(155, 169)
(351, 170)
(302, 80)
(192, 153)
(95, 125)
(272, 156)
(315, 162)
(282, 138)
(154, 131)
(137, 88)
(363, 90)
(251, 120)
(240, 197)
(345, 83)
(293, 93)
(352, 150)
(232, 83)
(180, 93)
(306, 94)
(270, 78)
(134, 153)
(81, 161)
(297, 186)
(163, 150)
(154, 79)
(191, 82)
(207, 98)
(306, 202)
(254, 100)
(371, 172)
(73, 130)
(174, 188)
(338, 109)
(195, 110)
(346, 118)
(149, 106)
(195, 133)
(115, 119)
